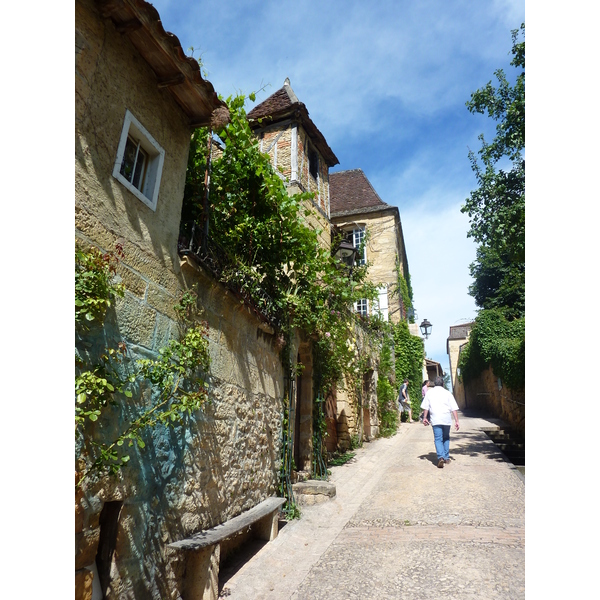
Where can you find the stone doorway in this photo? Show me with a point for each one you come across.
(303, 413)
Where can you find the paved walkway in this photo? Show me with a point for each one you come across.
(401, 528)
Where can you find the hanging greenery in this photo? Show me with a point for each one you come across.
(177, 375)
(409, 353)
(499, 342)
(387, 409)
(271, 247)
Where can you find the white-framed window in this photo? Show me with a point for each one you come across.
(357, 237)
(382, 303)
(362, 307)
(139, 161)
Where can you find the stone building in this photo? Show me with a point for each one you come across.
(298, 150)
(138, 97)
(433, 369)
(303, 158)
(457, 338)
(357, 210)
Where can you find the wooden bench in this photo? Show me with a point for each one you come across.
(201, 577)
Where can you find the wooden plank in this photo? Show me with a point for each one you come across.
(229, 528)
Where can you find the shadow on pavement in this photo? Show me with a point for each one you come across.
(461, 443)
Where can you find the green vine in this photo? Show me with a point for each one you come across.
(495, 341)
(409, 354)
(177, 375)
(272, 248)
(95, 289)
(387, 409)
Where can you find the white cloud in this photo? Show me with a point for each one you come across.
(439, 254)
(386, 82)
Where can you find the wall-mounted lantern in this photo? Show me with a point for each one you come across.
(425, 328)
(346, 252)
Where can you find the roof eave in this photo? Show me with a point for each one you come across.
(176, 72)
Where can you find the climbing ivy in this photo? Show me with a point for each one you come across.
(496, 341)
(409, 354)
(387, 409)
(177, 375)
(272, 248)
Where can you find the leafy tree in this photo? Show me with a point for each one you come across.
(498, 282)
(496, 209)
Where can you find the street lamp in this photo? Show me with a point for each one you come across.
(425, 328)
(345, 251)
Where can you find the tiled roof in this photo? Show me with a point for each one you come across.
(284, 104)
(180, 74)
(281, 100)
(351, 191)
(460, 332)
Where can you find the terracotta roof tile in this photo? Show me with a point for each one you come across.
(178, 73)
(351, 191)
(284, 104)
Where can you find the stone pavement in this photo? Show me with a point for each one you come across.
(401, 528)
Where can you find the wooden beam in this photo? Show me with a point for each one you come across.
(128, 26)
(172, 80)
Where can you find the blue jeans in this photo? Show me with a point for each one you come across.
(441, 437)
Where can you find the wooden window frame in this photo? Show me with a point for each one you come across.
(149, 182)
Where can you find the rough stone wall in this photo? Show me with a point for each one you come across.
(111, 77)
(320, 186)
(224, 461)
(486, 393)
(382, 251)
(458, 388)
(353, 420)
(278, 142)
(225, 458)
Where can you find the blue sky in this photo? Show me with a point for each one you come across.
(386, 83)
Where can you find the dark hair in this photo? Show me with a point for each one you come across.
(406, 381)
(439, 380)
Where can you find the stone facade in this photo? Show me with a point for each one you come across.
(459, 336)
(356, 205)
(488, 393)
(225, 458)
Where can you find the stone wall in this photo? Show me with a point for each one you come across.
(354, 420)
(223, 461)
(111, 77)
(382, 249)
(458, 388)
(489, 394)
(225, 458)
(288, 146)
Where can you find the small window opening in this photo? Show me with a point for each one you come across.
(109, 524)
(313, 162)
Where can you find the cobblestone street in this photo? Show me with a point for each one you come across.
(401, 528)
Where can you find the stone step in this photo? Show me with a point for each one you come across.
(510, 443)
(510, 447)
(313, 491)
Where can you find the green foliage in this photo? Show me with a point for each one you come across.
(269, 243)
(177, 376)
(272, 248)
(498, 282)
(341, 459)
(499, 342)
(387, 409)
(94, 286)
(409, 354)
(496, 209)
